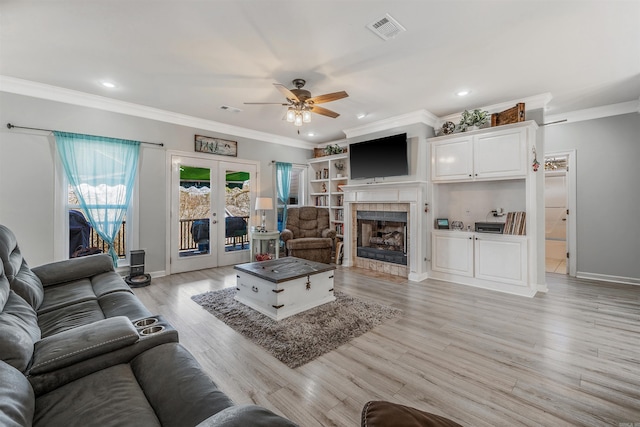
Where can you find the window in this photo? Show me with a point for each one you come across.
(98, 178)
(82, 235)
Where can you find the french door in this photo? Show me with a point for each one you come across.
(210, 213)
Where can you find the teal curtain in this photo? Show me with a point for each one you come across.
(283, 185)
(102, 172)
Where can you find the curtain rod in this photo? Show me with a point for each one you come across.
(273, 162)
(10, 126)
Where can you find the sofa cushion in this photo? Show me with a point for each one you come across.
(60, 296)
(21, 279)
(18, 331)
(70, 317)
(246, 415)
(4, 287)
(69, 270)
(123, 304)
(110, 397)
(387, 414)
(194, 396)
(16, 398)
(310, 243)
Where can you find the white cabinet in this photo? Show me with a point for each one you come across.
(480, 155)
(501, 258)
(453, 253)
(496, 258)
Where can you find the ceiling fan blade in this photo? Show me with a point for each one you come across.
(265, 103)
(324, 112)
(286, 92)
(328, 97)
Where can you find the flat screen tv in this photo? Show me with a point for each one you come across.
(379, 158)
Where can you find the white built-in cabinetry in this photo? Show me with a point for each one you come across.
(500, 154)
(327, 176)
(498, 258)
(494, 164)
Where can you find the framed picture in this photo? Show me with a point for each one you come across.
(222, 147)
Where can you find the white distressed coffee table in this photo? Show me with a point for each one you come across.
(283, 287)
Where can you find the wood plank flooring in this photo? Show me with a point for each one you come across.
(481, 358)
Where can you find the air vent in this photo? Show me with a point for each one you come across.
(386, 28)
(230, 109)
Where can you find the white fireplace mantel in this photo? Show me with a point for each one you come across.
(413, 193)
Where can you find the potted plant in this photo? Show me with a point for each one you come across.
(471, 120)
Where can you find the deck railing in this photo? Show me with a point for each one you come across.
(186, 239)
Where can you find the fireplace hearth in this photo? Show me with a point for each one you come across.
(382, 236)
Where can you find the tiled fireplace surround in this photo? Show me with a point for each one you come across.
(370, 264)
(409, 197)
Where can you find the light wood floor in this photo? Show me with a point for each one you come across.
(481, 358)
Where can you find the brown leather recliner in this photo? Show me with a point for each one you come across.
(307, 234)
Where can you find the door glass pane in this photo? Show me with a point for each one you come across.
(194, 210)
(237, 210)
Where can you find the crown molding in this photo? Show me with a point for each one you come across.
(594, 113)
(83, 99)
(420, 116)
(531, 103)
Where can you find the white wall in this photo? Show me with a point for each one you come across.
(27, 168)
(608, 197)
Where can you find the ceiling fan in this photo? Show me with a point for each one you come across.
(301, 104)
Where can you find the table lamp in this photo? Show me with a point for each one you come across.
(264, 204)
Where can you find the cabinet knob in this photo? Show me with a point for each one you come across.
(469, 174)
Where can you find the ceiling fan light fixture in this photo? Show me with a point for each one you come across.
(306, 116)
(291, 115)
(298, 120)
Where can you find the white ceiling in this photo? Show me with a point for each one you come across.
(191, 57)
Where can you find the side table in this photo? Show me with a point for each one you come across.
(265, 242)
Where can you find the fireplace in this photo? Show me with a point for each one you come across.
(382, 236)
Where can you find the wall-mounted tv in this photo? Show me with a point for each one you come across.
(379, 158)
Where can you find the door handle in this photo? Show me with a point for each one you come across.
(214, 221)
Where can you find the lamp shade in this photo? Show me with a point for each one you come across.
(264, 203)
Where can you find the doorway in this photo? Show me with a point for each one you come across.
(210, 212)
(559, 195)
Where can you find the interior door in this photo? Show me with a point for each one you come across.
(211, 206)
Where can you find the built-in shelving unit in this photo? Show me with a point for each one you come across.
(474, 174)
(327, 175)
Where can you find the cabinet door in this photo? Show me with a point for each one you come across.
(452, 253)
(451, 160)
(500, 154)
(501, 259)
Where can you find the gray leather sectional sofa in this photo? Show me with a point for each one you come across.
(77, 348)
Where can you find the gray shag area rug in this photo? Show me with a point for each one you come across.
(300, 338)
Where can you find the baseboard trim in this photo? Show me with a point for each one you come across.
(160, 273)
(608, 278)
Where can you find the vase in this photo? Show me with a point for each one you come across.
(474, 127)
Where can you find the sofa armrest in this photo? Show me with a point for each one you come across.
(328, 232)
(246, 415)
(84, 342)
(286, 234)
(59, 272)
(44, 383)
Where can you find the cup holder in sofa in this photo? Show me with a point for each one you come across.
(151, 330)
(143, 323)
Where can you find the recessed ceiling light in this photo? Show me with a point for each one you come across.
(108, 84)
(311, 134)
(463, 92)
(361, 115)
